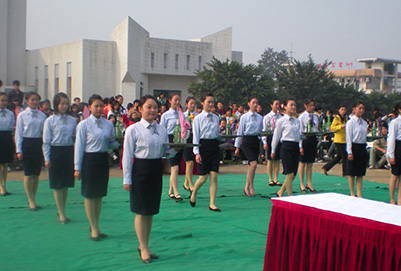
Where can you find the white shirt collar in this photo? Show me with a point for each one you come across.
(145, 123)
(94, 119)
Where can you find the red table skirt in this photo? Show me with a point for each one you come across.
(307, 238)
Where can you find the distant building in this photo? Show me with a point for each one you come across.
(131, 64)
(379, 75)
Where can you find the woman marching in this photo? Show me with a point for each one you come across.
(189, 156)
(91, 161)
(394, 154)
(269, 125)
(7, 124)
(207, 156)
(355, 134)
(58, 149)
(250, 126)
(308, 146)
(287, 132)
(143, 179)
(338, 127)
(169, 121)
(28, 140)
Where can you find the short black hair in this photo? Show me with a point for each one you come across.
(143, 100)
(16, 82)
(77, 98)
(30, 94)
(205, 95)
(119, 96)
(57, 100)
(95, 97)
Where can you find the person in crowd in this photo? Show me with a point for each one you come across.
(77, 100)
(120, 100)
(319, 114)
(250, 127)
(308, 146)
(206, 133)
(91, 161)
(338, 127)
(355, 135)
(169, 120)
(46, 107)
(394, 155)
(234, 107)
(115, 109)
(161, 99)
(58, 150)
(144, 142)
(230, 117)
(220, 109)
(188, 154)
(269, 125)
(108, 103)
(7, 124)
(226, 145)
(379, 150)
(288, 132)
(16, 93)
(259, 110)
(135, 103)
(199, 109)
(240, 111)
(28, 140)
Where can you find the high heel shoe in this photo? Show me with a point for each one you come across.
(186, 188)
(215, 209)
(246, 193)
(311, 189)
(145, 261)
(152, 256)
(325, 171)
(193, 203)
(302, 190)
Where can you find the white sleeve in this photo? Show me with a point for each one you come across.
(240, 132)
(47, 139)
(128, 154)
(277, 135)
(391, 140)
(19, 130)
(348, 136)
(196, 134)
(80, 144)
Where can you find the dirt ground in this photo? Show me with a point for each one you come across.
(373, 175)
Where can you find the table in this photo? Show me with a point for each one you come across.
(333, 232)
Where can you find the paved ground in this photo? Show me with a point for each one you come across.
(376, 175)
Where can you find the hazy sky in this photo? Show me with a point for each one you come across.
(340, 30)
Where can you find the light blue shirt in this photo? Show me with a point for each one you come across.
(250, 124)
(58, 130)
(29, 124)
(356, 130)
(287, 129)
(169, 120)
(271, 118)
(144, 141)
(91, 137)
(7, 120)
(205, 126)
(394, 134)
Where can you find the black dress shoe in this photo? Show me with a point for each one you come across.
(97, 238)
(302, 190)
(186, 188)
(103, 235)
(8, 193)
(311, 190)
(214, 210)
(152, 256)
(193, 203)
(277, 195)
(148, 260)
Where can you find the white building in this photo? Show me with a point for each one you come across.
(131, 64)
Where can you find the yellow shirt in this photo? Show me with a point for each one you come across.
(339, 133)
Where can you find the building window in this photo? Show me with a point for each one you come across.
(152, 60)
(69, 79)
(56, 78)
(36, 79)
(46, 83)
(188, 61)
(176, 61)
(165, 60)
(199, 62)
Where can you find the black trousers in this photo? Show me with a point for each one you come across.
(341, 154)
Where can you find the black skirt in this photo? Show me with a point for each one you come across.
(290, 157)
(176, 160)
(310, 149)
(61, 172)
(396, 168)
(189, 152)
(146, 189)
(32, 156)
(357, 167)
(6, 147)
(95, 175)
(277, 155)
(210, 154)
(250, 147)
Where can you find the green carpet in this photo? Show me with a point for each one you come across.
(185, 238)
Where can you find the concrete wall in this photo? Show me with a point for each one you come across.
(99, 68)
(12, 41)
(61, 55)
(221, 44)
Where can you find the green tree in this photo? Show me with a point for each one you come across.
(271, 61)
(232, 82)
(301, 80)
